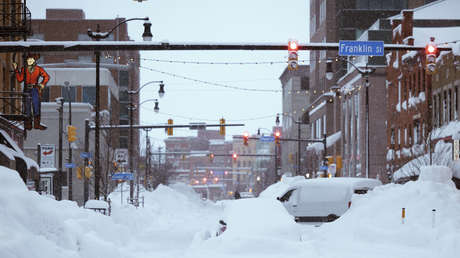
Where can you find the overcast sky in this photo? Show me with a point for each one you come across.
(249, 21)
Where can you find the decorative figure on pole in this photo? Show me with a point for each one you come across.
(33, 88)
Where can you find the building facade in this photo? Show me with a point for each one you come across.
(295, 90)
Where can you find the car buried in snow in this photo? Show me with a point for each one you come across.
(323, 199)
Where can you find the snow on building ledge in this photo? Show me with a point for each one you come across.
(330, 140)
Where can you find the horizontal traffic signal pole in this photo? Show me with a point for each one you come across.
(67, 46)
(283, 139)
(191, 126)
(245, 155)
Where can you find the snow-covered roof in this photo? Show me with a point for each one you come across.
(439, 10)
(441, 34)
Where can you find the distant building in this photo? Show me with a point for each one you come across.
(296, 90)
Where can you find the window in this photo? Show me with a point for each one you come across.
(417, 139)
(392, 137)
(324, 124)
(405, 136)
(322, 11)
(304, 83)
(286, 196)
(313, 24)
(449, 104)
(455, 103)
(66, 91)
(124, 78)
(89, 95)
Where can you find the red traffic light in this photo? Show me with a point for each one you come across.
(245, 138)
(431, 49)
(293, 46)
(277, 134)
(234, 156)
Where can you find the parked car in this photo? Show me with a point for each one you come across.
(247, 195)
(323, 199)
(99, 206)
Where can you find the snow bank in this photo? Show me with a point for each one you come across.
(40, 227)
(373, 227)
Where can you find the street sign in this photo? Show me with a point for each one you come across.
(121, 156)
(267, 138)
(47, 155)
(69, 165)
(360, 48)
(85, 155)
(123, 176)
(323, 168)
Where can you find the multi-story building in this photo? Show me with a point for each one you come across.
(420, 101)
(15, 24)
(72, 25)
(243, 165)
(295, 85)
(191, 163)
(332, 21)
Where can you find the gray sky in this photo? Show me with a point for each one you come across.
(249, 21)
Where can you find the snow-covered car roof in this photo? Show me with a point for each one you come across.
(96, 204)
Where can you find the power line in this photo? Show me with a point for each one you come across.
(207, 82)
(219, 63)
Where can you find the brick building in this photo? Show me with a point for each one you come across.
(72, 25)
(332, 21)
(15, 24)
(415, 106)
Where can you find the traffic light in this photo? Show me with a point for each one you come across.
(293, 57)
(235, 157)
(88, 172)
(170, 129)
(277, 137)
(245, 138)
(79, 174)
(71, 133)
(222, 127)
(431, 51)
(330, 160)
(211, 157)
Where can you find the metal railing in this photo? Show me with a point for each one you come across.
(15, 19)
(12, 105)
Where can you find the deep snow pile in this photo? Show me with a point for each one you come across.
(374, 226)
(175, 222)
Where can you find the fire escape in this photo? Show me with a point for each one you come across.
(15, 24)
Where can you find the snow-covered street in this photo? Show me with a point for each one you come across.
(175, 222)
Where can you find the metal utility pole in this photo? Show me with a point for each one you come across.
(97, 172)
(298, 150)
(70, 144)
(60, 102)
(276, 163)
(85, 179)
(130, 149)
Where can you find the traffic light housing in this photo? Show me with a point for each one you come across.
(211, 157)
(234, 156)
(431, 51)
(79, 173)
(245, 138)
(293, 57)
(222, 127)
(71, 133)
(88, 172)
(170, 129)
(277, 137)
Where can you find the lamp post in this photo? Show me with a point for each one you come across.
(364, 73)
(132, 107)
(98, 35)
(298, 138)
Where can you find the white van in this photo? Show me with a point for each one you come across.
(323, 199)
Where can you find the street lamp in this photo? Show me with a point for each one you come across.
(364, 73)
(298, 122)
(98, 35)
